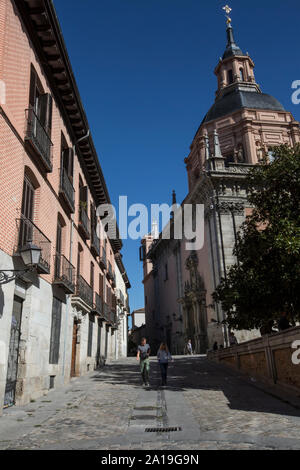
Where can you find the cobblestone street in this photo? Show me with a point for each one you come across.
(214, 408)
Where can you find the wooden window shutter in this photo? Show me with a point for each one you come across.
(92, 276)
(83, 195)
(32, 91)
(71, 162)
(45, 106)
(101, 285)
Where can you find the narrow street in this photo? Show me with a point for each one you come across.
(109, 410)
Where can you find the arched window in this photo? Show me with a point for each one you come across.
(242, 76)
(230, 77)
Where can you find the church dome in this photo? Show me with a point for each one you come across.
(239, 99)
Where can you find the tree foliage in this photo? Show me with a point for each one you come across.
(266, 279)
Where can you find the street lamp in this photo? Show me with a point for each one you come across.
(30, 255)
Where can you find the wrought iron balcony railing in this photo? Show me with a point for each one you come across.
(95, 242)
(84, 224)
(29, 232)
(120, 297)
(110, 274)
(67, 190)
(113, 319)
(84, 291)
(98, 305)
(64, 273)
(103, 261)
(39, 139)
(106, 312)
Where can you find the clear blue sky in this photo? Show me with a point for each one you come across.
(144, 69)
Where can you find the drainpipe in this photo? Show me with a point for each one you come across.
(70, 259)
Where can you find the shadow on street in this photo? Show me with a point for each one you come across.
(197, 373)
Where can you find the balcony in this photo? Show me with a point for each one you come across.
(103, 262)
(114, 320)
(106, 312)
(95, 242)
(64, 274)
(29, 232)
(84, 224)
(98, 305)
(66, 190)
(120, 297)
(38, 138)
(111, 275)
(83, 295)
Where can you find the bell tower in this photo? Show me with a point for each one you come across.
(235, 68)
(244, 123)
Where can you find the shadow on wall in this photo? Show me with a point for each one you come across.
(197, 373)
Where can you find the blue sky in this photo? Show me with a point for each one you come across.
(144, 69)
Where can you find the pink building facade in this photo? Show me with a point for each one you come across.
(238, 132)
(59, 320)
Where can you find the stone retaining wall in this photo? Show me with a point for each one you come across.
(268, 358)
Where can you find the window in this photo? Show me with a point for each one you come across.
(93, 217)
(28, 199)
(230, 77)
(40, 102)
(25, 234)
(55, 331)
(101, 280)
(58, 249)
(79, 256)
(242, 77)
(92, 276)
(83, 196)
(67, 158)
(90, 337)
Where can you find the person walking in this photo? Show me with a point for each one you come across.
(232, 339)
(143, 354)
(164, 357)
(189, 347)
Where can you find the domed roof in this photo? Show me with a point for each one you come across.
(238, 99)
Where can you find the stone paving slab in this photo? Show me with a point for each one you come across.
(109, 410)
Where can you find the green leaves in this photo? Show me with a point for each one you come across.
(267, 279)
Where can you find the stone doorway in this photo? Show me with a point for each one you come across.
(74, 349)
(13, 353)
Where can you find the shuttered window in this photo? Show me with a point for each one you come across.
(92, 276)
(101, 285)
(40, 102)
(67, 158)
(25, 232)
(55, 331)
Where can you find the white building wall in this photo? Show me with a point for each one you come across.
(121, 333)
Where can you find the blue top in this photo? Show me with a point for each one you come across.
(163, 356)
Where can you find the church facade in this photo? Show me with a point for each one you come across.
(239, 131)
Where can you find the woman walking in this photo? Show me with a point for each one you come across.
(164, 357)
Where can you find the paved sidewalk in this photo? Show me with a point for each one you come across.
(212, 407)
